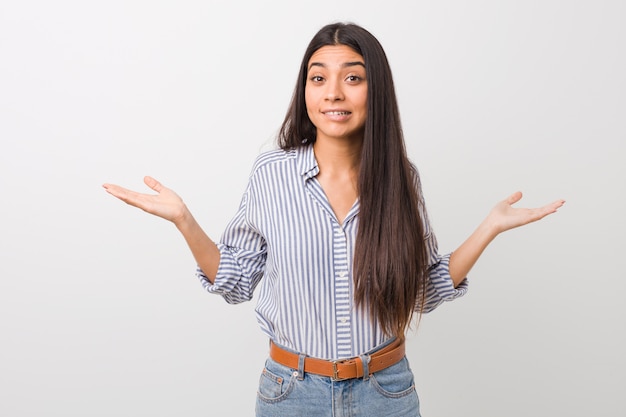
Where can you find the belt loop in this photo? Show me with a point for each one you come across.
(365, 359)
(301, 358)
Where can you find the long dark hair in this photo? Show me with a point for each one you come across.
(390, 254)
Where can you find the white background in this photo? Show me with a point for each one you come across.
(100, 311)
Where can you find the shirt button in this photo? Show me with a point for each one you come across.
(342, 274)
(343, 320)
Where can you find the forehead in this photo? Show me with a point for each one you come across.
(335, 55)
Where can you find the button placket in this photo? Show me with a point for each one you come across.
(342, 293)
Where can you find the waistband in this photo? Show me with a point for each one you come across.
(341, 369)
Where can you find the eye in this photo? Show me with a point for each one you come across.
(353, 78)
(316, 78)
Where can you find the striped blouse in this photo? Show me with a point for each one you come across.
(285, 237)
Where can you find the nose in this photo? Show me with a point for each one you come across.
(334, 91)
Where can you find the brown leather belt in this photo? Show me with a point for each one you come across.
(341, 369)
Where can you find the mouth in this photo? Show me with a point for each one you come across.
(337, 113)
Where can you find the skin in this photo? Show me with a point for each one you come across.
(336, 101)
(336, 98)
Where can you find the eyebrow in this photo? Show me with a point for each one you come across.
(344, 65)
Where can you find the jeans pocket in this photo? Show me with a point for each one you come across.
(394, 382)
(275, 383)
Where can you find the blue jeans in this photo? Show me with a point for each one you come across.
(284, 392)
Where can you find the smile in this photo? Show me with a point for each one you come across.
(337, 113)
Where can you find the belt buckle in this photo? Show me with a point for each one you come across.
(336, 376)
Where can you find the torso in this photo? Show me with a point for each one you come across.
(340, 192)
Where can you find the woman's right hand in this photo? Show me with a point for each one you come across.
(166, 203)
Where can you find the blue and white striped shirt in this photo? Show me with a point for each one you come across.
(286, 237)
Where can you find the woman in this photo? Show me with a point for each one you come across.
(334, 228)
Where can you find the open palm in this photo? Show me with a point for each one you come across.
(166, 203)
(504, 216)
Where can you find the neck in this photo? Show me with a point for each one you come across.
(338, 157)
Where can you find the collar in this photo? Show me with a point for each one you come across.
(307, 164)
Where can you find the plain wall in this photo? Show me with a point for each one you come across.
(100, 311)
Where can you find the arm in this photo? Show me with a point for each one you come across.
(502, 217)
(169, 206)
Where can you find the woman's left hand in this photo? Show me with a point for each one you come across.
(504, 216)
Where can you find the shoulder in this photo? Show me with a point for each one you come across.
(273, 159)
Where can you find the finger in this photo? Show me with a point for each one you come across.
(514, 198)
(115, 190)
(152, 183)
(129, 197)
(541, 212)
(554, 206)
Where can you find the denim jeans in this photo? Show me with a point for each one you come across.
(285, 392)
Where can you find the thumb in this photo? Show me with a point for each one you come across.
(152, 183)
(514, 198)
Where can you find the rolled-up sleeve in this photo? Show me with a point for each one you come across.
(439, 284)
(242, 258)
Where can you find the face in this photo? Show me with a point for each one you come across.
(336, 93)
